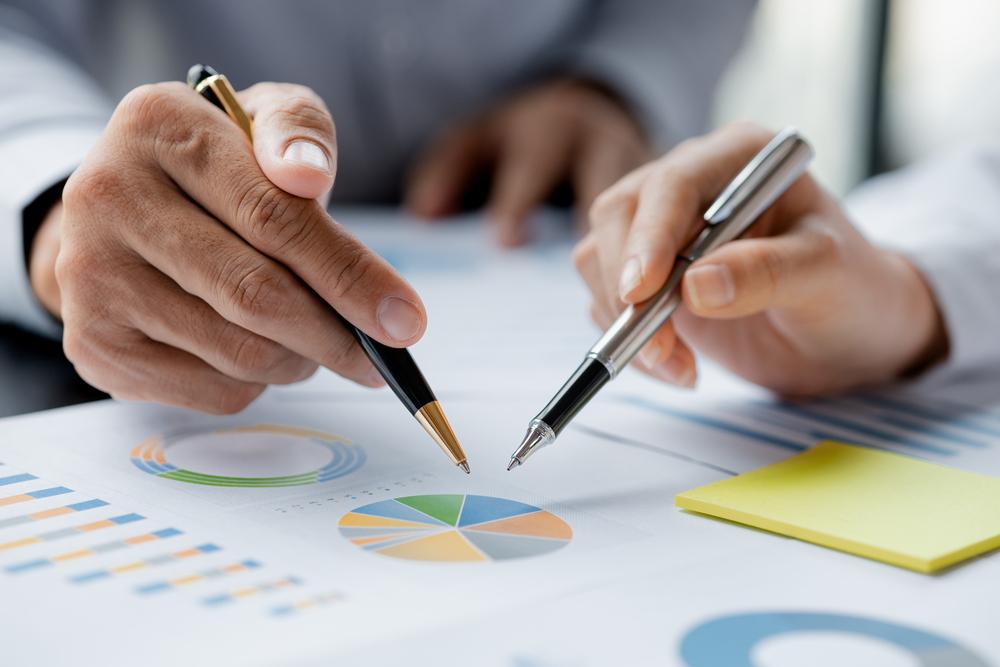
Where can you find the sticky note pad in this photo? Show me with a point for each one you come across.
(867, 502)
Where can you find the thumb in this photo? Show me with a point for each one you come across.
(294, 138)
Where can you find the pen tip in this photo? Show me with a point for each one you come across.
(513, 464)
(464, 466)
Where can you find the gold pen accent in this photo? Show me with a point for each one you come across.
(432, 418)
(219, 84)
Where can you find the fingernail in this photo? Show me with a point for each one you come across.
(710, 286)
(650, 355)
(631, 277)
(307, 153)
(398, 318)
(678, 371)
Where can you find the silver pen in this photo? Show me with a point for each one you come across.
(765, 178)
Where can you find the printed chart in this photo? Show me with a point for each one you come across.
(248, 456)
(455, 527)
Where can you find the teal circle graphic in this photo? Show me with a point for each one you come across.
(728, 641)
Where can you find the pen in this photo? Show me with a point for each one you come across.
(765, 178)
(394, 364)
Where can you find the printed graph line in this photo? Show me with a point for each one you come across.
(250, 591)
(52, 513)
(304, 604)
(104, 548)
(857, 427)
(198, 577)
(72, 531)
(960, 418)
(935, 430)
(146, 563)
(16, 479)
(621, 440)
(34, 495)
(713, 422)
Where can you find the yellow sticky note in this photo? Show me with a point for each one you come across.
(867, 502)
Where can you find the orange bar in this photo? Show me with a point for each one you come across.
(72, 555)
(10, 500)
(190, 579)
(97, 525)
(140, 539)
(235, 567)
(55, 511)
(19, 543)
(187, 553)
(129, 567)
(246, 592)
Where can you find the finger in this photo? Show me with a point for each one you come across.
(587, 265)
(243, 286)
(532, 158)
(610, 219)
(445, 170)
(671, 200)
(294, 137)
(679, 369)
(296, 232)
(136, 368)
(748, 276)
(170, 315)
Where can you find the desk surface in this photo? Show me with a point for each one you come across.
(34, 375)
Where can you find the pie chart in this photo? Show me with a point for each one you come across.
(455, 527)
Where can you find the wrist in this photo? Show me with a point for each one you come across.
(921, 327)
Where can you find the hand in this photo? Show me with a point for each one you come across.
(803, 305)
(192, 269)
(561, 132)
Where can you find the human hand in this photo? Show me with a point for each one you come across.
(560, 132)
(194, 269)
(803, 304)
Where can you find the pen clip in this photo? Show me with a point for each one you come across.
(752, 191)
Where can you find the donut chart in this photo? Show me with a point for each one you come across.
(730, 640)
(455, 528)
(331, 455)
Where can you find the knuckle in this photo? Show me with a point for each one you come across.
(610, 207)
(273, 220)
(350, 269)
(304, 109)
(258, 293)
(234, 399)
(146, 109)
(772, 265)
(254, 356)
(91, 185)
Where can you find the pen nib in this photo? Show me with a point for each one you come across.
(513, 464)
(464, 466)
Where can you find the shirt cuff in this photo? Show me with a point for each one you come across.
(30, 162)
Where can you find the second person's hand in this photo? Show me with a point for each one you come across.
(803, 305)
(193, 269)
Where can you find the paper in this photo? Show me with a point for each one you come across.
(322, 526)
(874, 504)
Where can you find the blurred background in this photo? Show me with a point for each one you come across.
(874, 84)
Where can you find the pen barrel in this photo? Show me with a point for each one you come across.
(398, 367)
(584, 384)
(637, 324)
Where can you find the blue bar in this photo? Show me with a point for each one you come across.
(167, 532)
(87, 505)
(282, 611)
(45, 493)
(849, 425)
(961, 420)
(250, 564)
(126, 518)
(28, 565)
(14, 479)
(216, 600)
(90, 576)
(158, 587)
(717, 424)
(208, 548)
(934, 431)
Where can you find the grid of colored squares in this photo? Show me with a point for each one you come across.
(454, 527)
(137, 565)
(251, 591)
(104, 548)
(72, 531)
(34, 495)
(150, 456)
(198, 577)
(52, 513)
(307, 603)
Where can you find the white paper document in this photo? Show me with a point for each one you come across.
(322, 526)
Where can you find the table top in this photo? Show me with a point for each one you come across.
(35, 375)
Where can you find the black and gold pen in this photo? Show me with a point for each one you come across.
(395, 364)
